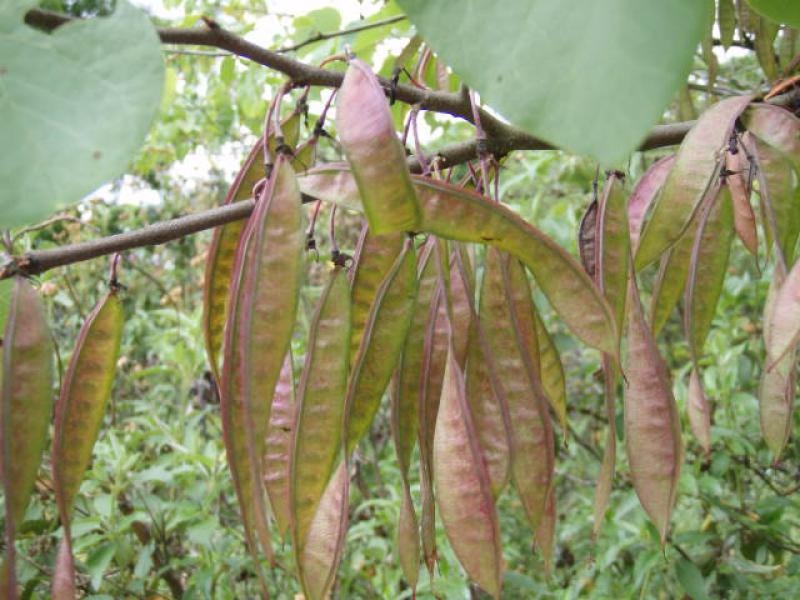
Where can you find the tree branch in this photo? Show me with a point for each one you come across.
(334, 34)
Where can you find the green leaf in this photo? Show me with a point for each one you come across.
(75, 105)
(97, 562)
(5, 298)
(589, 76)
(691, 579)
(780, 11)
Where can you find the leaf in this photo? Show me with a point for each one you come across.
(73, 112)
(691, 579)
(642, 196)
(780, 11)
(365, 128)
(696, 166)
(707, 269)
(511, 53)
(461, 215)
(463, 488)
(652, 427)
(699, 412)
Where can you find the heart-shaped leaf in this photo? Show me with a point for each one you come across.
(589, 76)
(75, 106)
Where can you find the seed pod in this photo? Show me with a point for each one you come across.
(320, 412)
(221, 257)
(765, 47)
(78, 416)
(463, 487)
(366, 131)
(671, 279)
(707, 267)
(744, 219)
(605, 479)
(698, 411)
(726, 17)
(457, 214)
(643, 195)
(462, 294)
(782, 321)
(373, 259)
(776, 127)
(27, 382)
(384, 335)
(696, 167)
(613, 247)
(652, 426)
(503, 318)
(587, 239)
(554, 383)
(325, 541)
(278, 447)
(545, 534)
(776, 391)
(408, 541)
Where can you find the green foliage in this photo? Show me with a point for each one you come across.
(780, 11)
(587, 76)
(73, 112)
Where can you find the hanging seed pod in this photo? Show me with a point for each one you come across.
(278, 446)
(643, 195)
(726, 18)
(322, 550)
(384, 335)
(502, 316)
(587, 239)
(27, 381)
(776, 392)
(776, 127)
(707, 268)
(605, 480)
(367, 134)
(462, 294)
(652, 426)
(463, 488)
(699, 413)
(404, 415)
(457, 214)
(320, 412)
(696, 168)
(545, 534)
(78, 416)
(782, 321)
(613, 246)
(554, 382)
(373, 259)
(739, 184)
(765, 47)
(221, 257)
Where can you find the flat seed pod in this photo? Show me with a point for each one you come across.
(408, 542)
(744, 219)
(782, 321)
(643, 195)
(462, 294)
(613, 246)
(652, 426)
(365, 128)
(530, 430)
(545, 534)
(670, 281)
(384, 336)
(707, 268)
(696, 166)
(587, 239)
(699, 413)
(487, 417)
(325, 541)
(278, 446)
(776, 127)
(373, 259)
(27, 380)
(776, 391)
(457, 214)
(554, 382)
(78, 416)
(463, 488)
(605, 479)
(320, 412)
(726, 18)
(221, 257)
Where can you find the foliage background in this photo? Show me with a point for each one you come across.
(158, 498)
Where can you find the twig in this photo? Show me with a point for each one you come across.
(326, 36)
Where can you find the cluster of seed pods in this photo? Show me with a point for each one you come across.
(435, 313)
